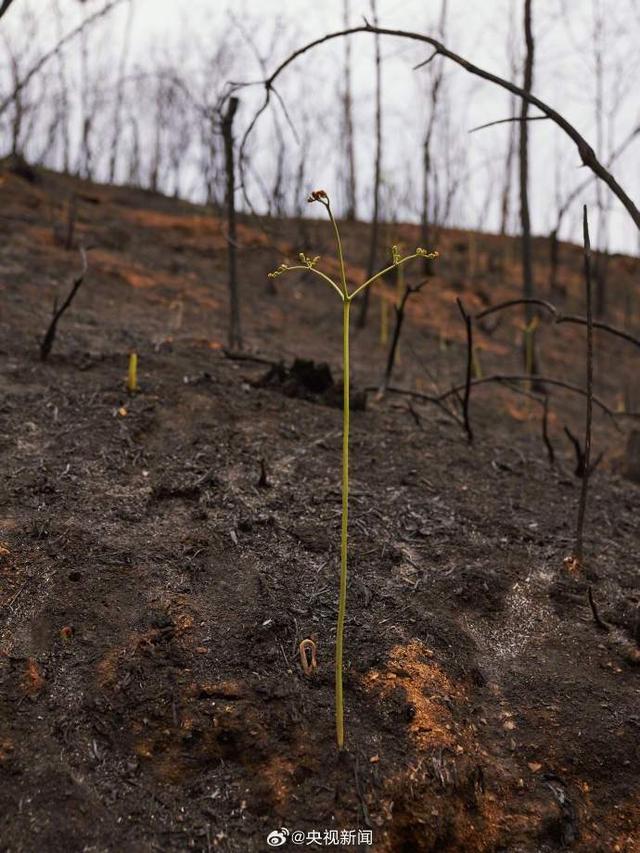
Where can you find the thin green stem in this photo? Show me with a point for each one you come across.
(383, 272)
(346, 297)
(342, 597)
(343, 274)
(321, 274)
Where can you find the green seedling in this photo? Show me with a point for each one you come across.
(341, 288)
(132, 377)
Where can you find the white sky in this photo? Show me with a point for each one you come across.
(564, 77)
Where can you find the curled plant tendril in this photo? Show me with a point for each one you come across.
(398, 258)
(424, 254)
(308, 262)
(310, 663)
(281, 269)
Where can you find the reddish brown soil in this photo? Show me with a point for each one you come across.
(154, 591)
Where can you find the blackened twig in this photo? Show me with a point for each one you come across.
(559, 318)
(391, 357)
(580, 458)
(594, 609)
(427, 61)
(467, 385)
(263, 482)
(424, 398)
(579, 472)
(49, 338)
(519, 377)
(4, 6)
(491, 309)
(510, 119)
(545, 431)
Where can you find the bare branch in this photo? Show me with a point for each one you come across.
(21, 84)
(287, 116)
(5, 6)
(545, 430)
(50, 336)
(508, 120)
(418, 395)
(391, 357)
(586, 152)
(426, 61)
(493, 308)
(560, 318)
(519, 377)
(571, 197)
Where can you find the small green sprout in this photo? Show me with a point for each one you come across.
(309, 262)
(132, 375)
(341, 288)
(282, 268)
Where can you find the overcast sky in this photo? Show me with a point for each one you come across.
(478, 29)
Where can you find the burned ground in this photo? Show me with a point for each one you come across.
(163, 555)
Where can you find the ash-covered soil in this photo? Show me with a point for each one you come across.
(163, 555)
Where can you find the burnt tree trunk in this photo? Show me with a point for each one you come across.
(512, 142)
(235, 331)
(425, 218)
(373, 246)
(119, 101)
(582, 506)
(527, 258)
(350, 154)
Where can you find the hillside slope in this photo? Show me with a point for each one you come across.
(155, 586)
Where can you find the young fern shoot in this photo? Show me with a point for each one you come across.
(341, 288)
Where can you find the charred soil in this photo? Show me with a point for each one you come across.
(162, 556)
